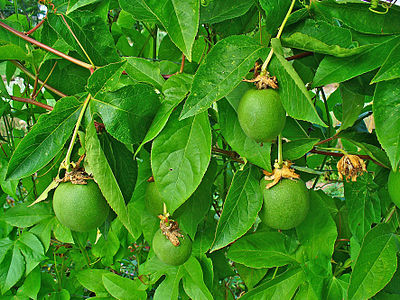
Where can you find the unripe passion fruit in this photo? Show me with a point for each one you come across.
(286, 204)
(80, 207)
(261, 114)
(394, 187)
(153, 200)
(170, 254)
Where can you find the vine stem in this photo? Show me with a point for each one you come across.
(271, 52)
(45, 47)
(30, 101)
(36, 27)
(66, 162)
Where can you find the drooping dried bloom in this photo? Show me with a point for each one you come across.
(171, 230)
(350, 166)
(278, 173)
(264, 82)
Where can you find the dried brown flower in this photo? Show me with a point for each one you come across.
(350, 166)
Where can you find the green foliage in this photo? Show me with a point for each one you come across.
(162, 82)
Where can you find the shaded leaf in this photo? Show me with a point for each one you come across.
(242, 204)
(124, 288)
(143, 70)
(352, 105)
(218, 11)
(298, 148)
(275, 11)
(390, 68)
(223, 69)
(46, 138)
(180, 156)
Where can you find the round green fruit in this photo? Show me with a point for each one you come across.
(170, 254)
(80, 207)
(286, 204)
(394, 187)
(261, 114)
(153, 200)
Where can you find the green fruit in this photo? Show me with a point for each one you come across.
(394, 187)
(286, 204)
(80, 207)
(170, 254)
(261, 114)
(153, 200)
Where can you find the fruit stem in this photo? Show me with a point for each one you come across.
(271, 52)
(66, 162)
(334, 149)
(280, 155)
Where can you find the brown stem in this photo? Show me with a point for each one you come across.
(327, 140)
(216, 209)
(36, 27)
(26, 71)
(35, 85)
(300, 55)
(233, 155)
(45, 47)
(182, 63)
(336, 154)
(30, 101)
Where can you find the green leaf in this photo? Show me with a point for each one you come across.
(294, 95)
(31, 286)
(375, 264)
(336, 289)
(282, 286)
(180, 156)
(218, 11)
(92, 280)
(386, 110)
(46, 138)
(390, 68)
(124, 288)
(256, 153)
(136, 105)
(363, 204)
(179, 18)
(275, 12)
(104, 78)
(262, 250)
(250, 276)
(143, 70)
(242, 204)
(298, 148)
(192, 212)
(359, 17)
(174, 90)
(9, 52)
(21, 215)
(317, 235)
(223, 69)
(92, 33)
(335, 69)
(11, 269)
(75, 4)
(32, 250)
(103, 175)
(352, 105)
(321, 37)
(193, 282)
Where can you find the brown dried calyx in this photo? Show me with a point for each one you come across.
(350, 167)
(170, 229)
(263, 82)
(280, 172)
(77, 175)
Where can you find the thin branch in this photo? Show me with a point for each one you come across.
(233, 155)
(44, 82)
(335, 136)
(36, 27)
(26, 71)
(45, 47)
(30, 101)
(182, 63)
(300, 55)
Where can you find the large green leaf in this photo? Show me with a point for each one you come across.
(21, 215)
(321, 37)
(92, 33)
(179, 18)
(298, 148)
(256, 153)
(294, 95)
(375, 264)
(390, 68)
(218, 11)
(174, 90)
(124, 288)
(180, 156)
(142, 70)
(45, 139)
(352, 105)
(223, 69)
(359, 17)
(336, 69)
(364, 205)
(91, 279)
(275, 11)
(386, 110)
(136, 105)
(103, 175)
(281, 287)
(242, 204)
(262, 250)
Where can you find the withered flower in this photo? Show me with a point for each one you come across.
(350, 166)
(278, 173)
